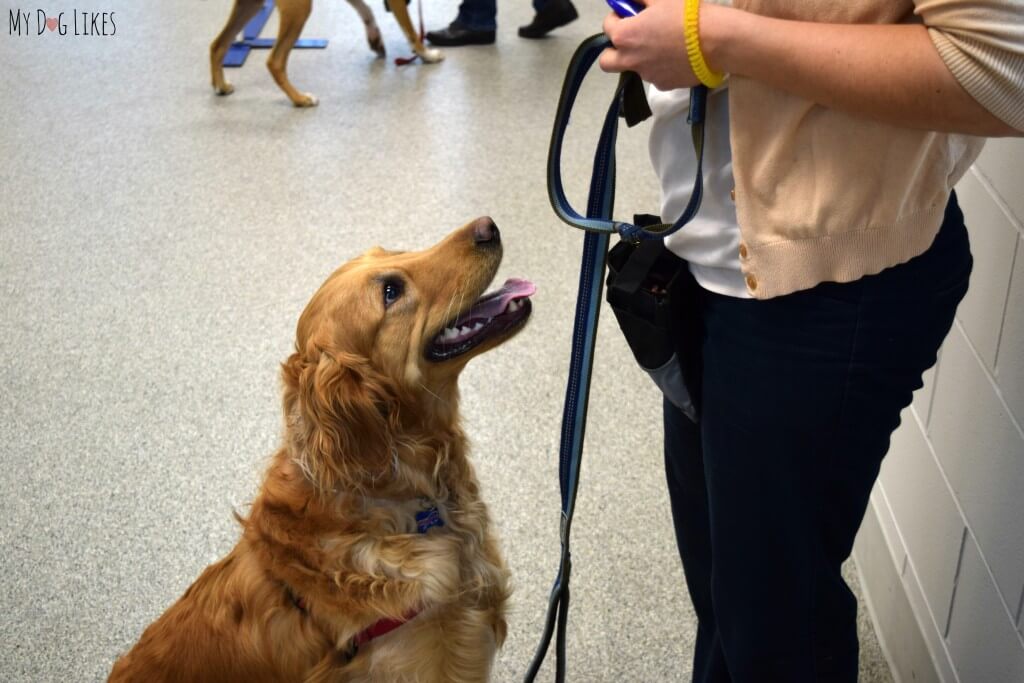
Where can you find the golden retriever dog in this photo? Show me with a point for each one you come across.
(368, 553)
(292, 17)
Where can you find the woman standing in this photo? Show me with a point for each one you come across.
(828, 257)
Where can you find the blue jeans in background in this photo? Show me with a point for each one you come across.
(481, 15)
(478, 15)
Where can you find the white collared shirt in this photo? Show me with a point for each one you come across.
(710, 242)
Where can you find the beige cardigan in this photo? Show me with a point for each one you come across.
(825, 196)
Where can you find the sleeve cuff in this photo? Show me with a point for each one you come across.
(992, 76)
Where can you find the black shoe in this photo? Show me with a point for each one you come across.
(554, 14)
(456, 34)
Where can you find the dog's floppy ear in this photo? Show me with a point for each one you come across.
(337, 411)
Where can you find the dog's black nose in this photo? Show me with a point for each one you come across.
(485, 232)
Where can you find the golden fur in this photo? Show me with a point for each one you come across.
(371, 430)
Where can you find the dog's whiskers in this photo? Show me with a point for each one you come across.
(460, 295)
(448, 311)
(426, 389)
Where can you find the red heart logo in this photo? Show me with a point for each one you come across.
(51, 24)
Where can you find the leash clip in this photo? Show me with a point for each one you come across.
(630, 233)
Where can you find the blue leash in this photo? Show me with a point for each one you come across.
(599, 227)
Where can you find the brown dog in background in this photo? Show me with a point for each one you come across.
(292, 17)
(368, 554)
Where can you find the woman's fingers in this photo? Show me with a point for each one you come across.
(610, 61)
(652, 44)
(611, 20)
(610, 58)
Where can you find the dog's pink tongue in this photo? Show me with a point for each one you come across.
(514, 288)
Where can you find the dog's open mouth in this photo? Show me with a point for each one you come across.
(492, 315)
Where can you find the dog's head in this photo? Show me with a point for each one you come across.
(380, 346)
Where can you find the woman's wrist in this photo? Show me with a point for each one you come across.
(715, 25)
(694, 48)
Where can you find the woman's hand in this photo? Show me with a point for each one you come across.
(652, 44)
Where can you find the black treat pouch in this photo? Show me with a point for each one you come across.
(644, 282)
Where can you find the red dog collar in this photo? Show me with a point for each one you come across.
(380, 628)
(375, 630)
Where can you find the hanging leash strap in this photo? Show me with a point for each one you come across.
(599, 227)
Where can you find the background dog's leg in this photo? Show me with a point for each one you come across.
(293, 15)
(401, 11)
(241, 13)
(372, 30)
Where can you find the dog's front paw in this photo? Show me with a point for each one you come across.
(224, 88)
(306, 100)
(376, 44)
(430, 55)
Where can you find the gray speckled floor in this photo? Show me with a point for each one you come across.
(156, 247)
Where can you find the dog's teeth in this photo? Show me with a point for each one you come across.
(465, 329)
(478, 326)
(513, 305)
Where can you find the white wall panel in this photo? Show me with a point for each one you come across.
(1010, 363)
(993, 242)
(1002, 164)
(982, 640)
(982, 454)
(926, 513)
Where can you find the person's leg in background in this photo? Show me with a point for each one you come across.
(475, 24)
(550, 14)
(799, 397)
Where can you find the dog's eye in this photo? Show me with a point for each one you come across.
(392, 291)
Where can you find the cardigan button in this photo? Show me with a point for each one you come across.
(732, 194)
(751, 283)
(743, 251)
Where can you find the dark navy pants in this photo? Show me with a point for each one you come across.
(481, 15)
(798, 396)
(478, 15)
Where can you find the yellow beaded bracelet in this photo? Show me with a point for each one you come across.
(691, 31)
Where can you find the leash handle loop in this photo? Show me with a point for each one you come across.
(584, 57)
(582, 60)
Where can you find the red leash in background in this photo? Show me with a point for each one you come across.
(402, 61)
